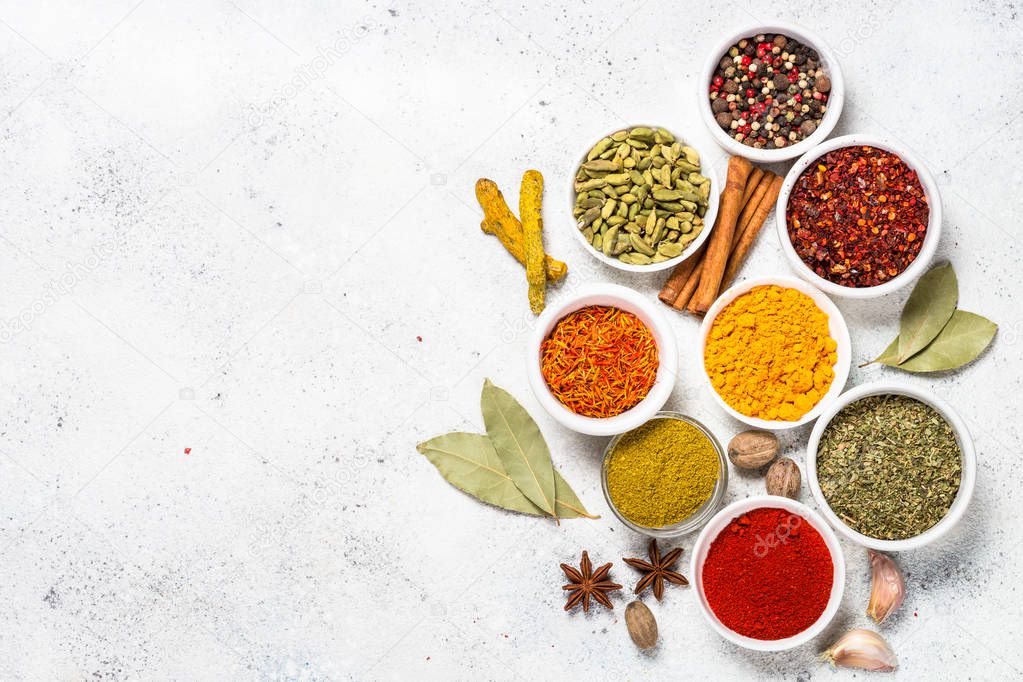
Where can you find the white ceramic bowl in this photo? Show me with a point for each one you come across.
(930, 244)
(707, 170)
(667, 353)
(836, 97)
(720, 522)
(836, 326)
(968, 478)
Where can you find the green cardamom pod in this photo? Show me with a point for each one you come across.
(640, 245)
(599, 149)
(610, 238)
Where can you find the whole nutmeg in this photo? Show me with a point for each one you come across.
(752, 449)
(642, 625)
(783, 479)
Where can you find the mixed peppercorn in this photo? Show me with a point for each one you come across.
(857, 216)
(769, 91)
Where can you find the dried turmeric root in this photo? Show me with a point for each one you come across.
(499, 221)
(530, 198)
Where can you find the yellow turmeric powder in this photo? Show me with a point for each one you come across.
(770, 355)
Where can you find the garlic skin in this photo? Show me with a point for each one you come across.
(862, 649)
(887, 587)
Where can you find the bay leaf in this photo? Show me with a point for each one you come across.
(927, 310)
(566, 502)
(960, 341)
(520, 446)
(469, 462)
(890, 356)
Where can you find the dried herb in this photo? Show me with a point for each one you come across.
(470, 462)
(928, 309)
(519, 445)
(586, 583)
(935, 336)
(889, 466)
(658, 570)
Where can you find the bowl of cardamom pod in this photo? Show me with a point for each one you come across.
(891, 466)
(643, 199)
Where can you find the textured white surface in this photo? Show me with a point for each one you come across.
(224, 226)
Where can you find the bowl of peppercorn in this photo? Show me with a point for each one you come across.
(771, 93)
(859, 216)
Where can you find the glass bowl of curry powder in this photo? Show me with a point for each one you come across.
(666, 477)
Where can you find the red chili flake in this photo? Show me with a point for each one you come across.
(858, 216)
(419, 339)
(188, 451)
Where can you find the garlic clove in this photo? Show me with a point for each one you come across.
(887, 587)
(862, 649)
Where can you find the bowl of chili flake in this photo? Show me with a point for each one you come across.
(859, 216)
(603, 361)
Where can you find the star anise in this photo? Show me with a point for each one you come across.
(657, 570)
(588, 583)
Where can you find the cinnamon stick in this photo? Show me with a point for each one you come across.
(679, 274)
(755, 195)
(755, 176)
(753, 228)
(685, 292)
(720, 242)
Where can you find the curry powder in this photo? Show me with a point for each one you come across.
(661, 472)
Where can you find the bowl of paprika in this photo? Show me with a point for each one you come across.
(769, 573)
(859, 216)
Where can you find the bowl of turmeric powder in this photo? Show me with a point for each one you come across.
(776, 352)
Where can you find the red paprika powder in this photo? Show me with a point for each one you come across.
(857, 216)
(768, 574)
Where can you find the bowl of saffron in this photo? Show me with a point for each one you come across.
(769, 573)
(603, 361)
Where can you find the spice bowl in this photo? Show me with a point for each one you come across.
(930, 242)
(701, 515)
(827, 124)
(707, 169)
(837, 328)
(628, 300)
(720, 522)
(968, 476)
